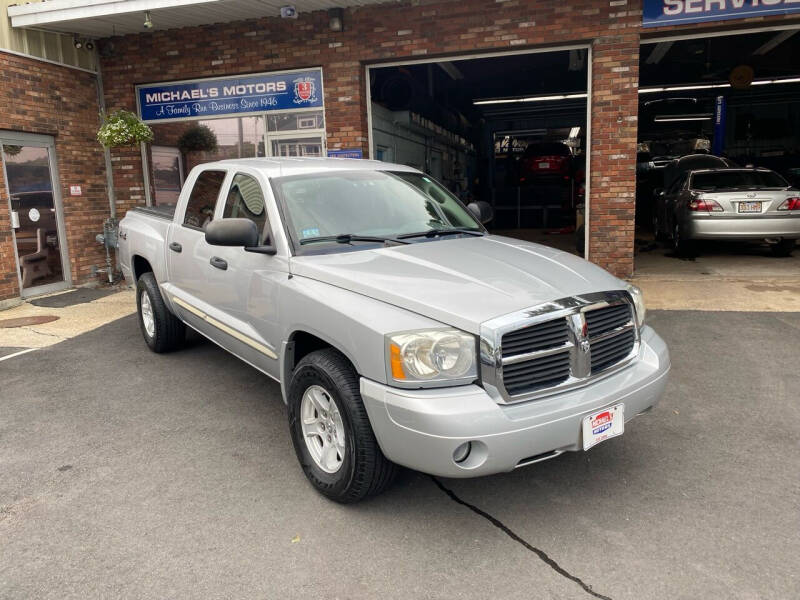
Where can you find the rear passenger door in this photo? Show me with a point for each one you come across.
(244, 287)
(188, 254)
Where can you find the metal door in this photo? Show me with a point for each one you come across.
(37, 216)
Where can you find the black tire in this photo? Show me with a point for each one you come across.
(657, 233)
(683, 248)
(782, 248)
(364, 470)
(170, 331)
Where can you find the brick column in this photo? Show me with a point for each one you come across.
(9, 282)
(615, 106)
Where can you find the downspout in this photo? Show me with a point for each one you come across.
(109, 237)
(101, 102)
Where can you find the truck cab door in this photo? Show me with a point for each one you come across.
(244, 285)
(188, 254)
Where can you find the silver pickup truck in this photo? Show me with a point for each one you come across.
(400, 330)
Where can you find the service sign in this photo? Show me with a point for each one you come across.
(206, 98)
(677, 12)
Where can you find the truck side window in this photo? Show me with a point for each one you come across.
(246, 201)
(203, 199)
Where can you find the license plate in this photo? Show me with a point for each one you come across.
(603, 425)
(544, 165)
(749, 207)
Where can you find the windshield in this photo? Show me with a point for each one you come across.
(378, 204)
(735, 180)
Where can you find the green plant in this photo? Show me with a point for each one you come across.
(123, 128)
(197, 138)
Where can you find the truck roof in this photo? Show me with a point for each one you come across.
(281, 167)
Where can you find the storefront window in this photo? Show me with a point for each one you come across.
(276, 114)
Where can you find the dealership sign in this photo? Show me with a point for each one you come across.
(677, 12)
(205, 98)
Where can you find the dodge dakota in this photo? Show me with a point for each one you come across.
(400, 330)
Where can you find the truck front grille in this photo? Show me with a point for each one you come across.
(584, 341)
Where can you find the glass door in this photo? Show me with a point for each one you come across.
(36, 212)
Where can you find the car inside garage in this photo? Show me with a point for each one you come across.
(709, 103)
(508, 129)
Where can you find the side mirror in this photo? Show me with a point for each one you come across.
(232, 232)
(481, 210)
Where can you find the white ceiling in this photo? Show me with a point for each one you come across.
(103, 18)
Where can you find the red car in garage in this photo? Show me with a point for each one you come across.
(545, 160)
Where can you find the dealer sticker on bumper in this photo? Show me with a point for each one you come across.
(600, 426)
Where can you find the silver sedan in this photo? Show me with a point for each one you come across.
(729, 204)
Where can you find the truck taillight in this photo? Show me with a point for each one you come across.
(704, 204)
(790, 204)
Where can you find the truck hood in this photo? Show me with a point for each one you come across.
(461, 282)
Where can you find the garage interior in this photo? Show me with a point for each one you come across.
(509, 130)
(758, 76)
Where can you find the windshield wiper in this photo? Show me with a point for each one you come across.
(437, 232)
(346, 238)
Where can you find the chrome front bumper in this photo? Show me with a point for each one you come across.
(742, 227)
(421, 429)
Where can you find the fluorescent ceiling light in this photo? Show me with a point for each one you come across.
(674, 118)
(530, 99)
(775, 41)
(659, 52)
(452, 70)
(714, 86)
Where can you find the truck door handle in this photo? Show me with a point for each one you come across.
(175, 247)
(218, 263)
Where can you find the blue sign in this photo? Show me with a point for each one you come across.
(342, 153)
(677, 12)
(720, 114)
(230, 96)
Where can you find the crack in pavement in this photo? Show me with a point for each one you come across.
(31, 329)
(540, 553)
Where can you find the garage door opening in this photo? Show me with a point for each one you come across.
(510, 130)
(728, 102)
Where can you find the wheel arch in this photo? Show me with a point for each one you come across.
(300, 344)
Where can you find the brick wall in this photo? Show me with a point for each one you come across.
(414, 29)
(43, 98)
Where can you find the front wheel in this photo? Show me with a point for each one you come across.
(331, 432)
(162, 331)
(782, 248)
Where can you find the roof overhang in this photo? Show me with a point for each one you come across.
(104, 18)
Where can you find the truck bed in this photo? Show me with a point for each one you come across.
(162, 211)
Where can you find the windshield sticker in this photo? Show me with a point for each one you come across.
(310, 232)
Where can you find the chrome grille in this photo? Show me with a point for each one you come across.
(536, 337)
(608, 352)
(558, 345)
(603, 320)
(536, 374)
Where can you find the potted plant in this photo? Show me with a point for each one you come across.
(123, 128)
(197, 138)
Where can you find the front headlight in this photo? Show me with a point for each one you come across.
(430, 356)
(638, 304)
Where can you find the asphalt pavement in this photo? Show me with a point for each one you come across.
(127, 474)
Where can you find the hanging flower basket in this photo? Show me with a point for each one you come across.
(123, 128)
(197, 138)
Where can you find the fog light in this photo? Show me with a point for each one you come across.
(462, 452)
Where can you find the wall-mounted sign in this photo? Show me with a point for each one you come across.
(346, 153)
(75, 190)
(247, 94)
(720, 115)
(677, 12)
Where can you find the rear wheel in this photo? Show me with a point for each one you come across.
(331, 432)
(162, 331)
(682, 247)
(782, 248)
